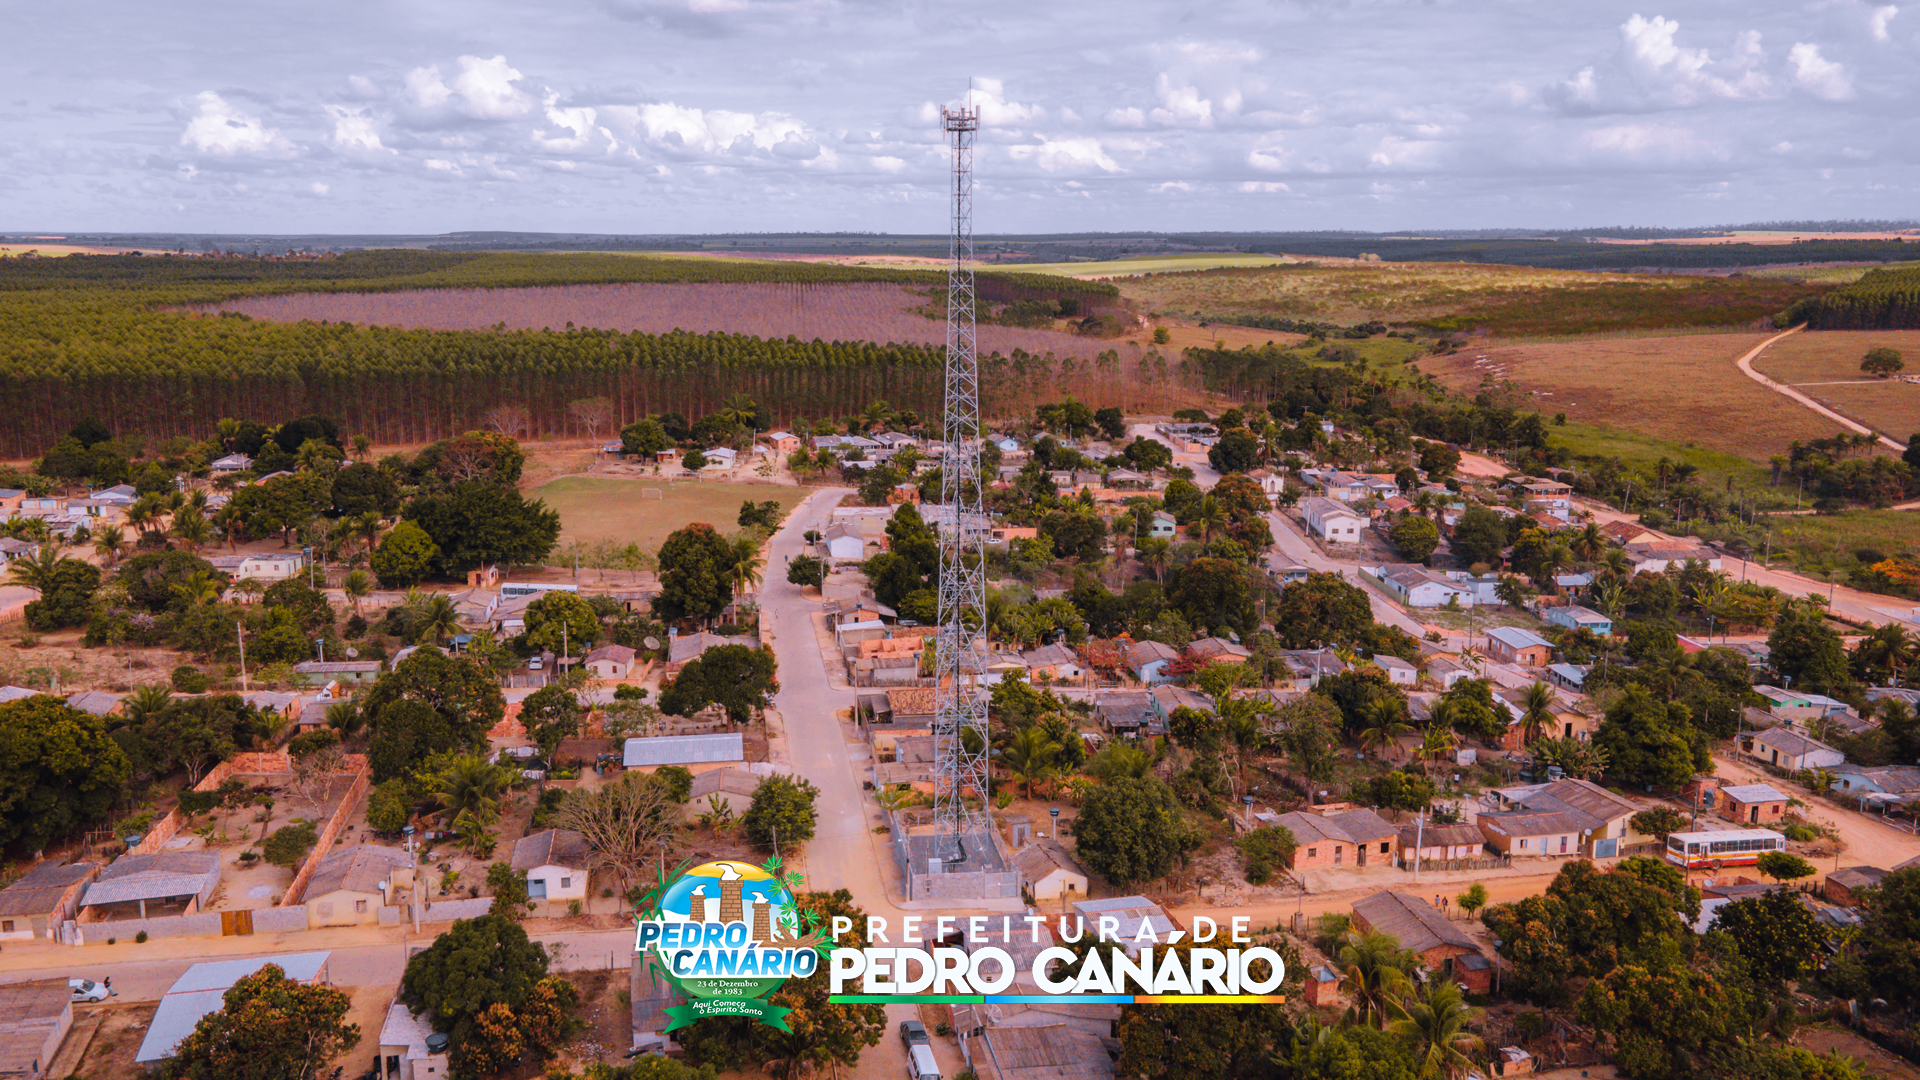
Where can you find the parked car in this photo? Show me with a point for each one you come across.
(86, 990)
(920, 1063)
(913, 1033)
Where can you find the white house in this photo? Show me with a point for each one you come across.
(555, 862)
(610, 661)
(1049, 871)
(1147, 659)
(1416, 586)
(844, 544)
(232, 463)
(719, 459)
(265, 566)
(1788, 749)
(1332, 521)
(1399, 672)
(1164, 525)
(1575, 617)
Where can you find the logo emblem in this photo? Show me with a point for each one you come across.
(726, 934)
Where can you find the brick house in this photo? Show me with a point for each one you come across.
(1426, 933)
(1753, 804)
(1342, 839)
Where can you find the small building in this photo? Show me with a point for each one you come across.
(1858, 780)
(611, 661)
(1217, 650)
(318, 673)
(1306, 667)
(47, 895)
(1120, 918)
(780, 442)
(232, 463)
(34, 1020)
(1322, 987)
(1127, 712)
(696, 752)
(1332, 521)
(96, 702)
(686, 648)
(1440, 843)
(1754, 804)
(1515, 645)
(1049, 871)
(734, 786)
(409, 1047)
(1164, 526)
(555, 863)
(202, 989)
(1575, 617)
(1843, 886)
(1148, 659)
(1418, 587)
(182, 880)
(1344, 838)
(1399, 672)
(1788, 749)
(1168, 698)
(266, 566)
(1052, 662)
(351, 884)
(652, 994)
(1597, 820)
(1424, 932)
(1527, 834)
(11, 549)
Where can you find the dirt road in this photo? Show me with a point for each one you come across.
(1867, 840)
(1745, 364)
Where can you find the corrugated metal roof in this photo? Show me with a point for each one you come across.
(221, 974)
(201, 991)
(684, 749)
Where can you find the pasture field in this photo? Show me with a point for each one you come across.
(1150, 264)
(1825, 365)
(596, 508)
(1642, 451)
(1818, 542)
(1845, 274)
(1678, 390)
(1505, 301)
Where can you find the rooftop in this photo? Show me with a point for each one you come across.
(685, 749)
(1043, 857)
(40, 889)
(201, 990)
(361, 868)
(1754, 793)
(1411, 921)
(554, 847)
(1515, 637)
(1347, 826)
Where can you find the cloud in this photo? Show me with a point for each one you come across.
(425, 88)
(1066, 155)
(1817, 75)
(353, 130)
(1878, 20)
(1127, 117)
(990, 97)
(318, 188)
(1181, 106)
(218, 129)
(1652, 70)
(706, 131)
(1264, 187)
(484, 89)
(577, 120)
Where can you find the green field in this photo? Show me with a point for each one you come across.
(600, 508)
(1642, 451)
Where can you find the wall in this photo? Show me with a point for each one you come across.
(454, 910)
(324, 844)
(249, 764)
(202, 924)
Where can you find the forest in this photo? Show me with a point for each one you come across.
(1880, 300)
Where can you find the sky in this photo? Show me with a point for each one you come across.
(670, 116)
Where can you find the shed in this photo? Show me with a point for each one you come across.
(555, 862)
(1754, 804)
(1049, 870)
(34, 1020)
(404, 1054)
(184, 877)
(201, 990)
(697, 752)
(97, 702)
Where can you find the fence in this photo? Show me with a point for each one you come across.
(1482, 862)
(324, 844)
(278, 920)
(268, 763)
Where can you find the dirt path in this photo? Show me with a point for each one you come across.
(1745, 364)
(1867, 841)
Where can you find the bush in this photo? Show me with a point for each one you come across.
(188, 679)
(290, 844)
(140, 938)
(677, 780)
(782, 808)
(1265, 849)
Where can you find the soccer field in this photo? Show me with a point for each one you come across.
(601, 508)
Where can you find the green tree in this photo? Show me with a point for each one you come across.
(1200, 1042)
(63, 771)
(1263, 850)
(693, 574)
(431, 703)
(1214, 593)
(739, 678)
(1030, 756)
(66, 594)
(268, 1027)
(508, 887)
(1659, 823)
(552, 714)
(1435, 1021)
(1415, 538)
(1776, 933)
(1590, 921)
(1325, 609)
(1648, 741)
(1882, 362)
(1783, 866)
(1132, 830)
(477, 964)
(405, 556)
(559, 618)
(782, 809)
(1473, 899)
(1479, 536)
(1236, 452)
(644, 438)
(481, 524)
(1803, 648)
(1664, 1020)
(289, 844)
(362, 489)
(1373, 971)
(806, 570)
(1438, 460)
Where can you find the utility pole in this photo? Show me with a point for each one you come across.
(240, 636)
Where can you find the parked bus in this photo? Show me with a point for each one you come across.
(1729, 847)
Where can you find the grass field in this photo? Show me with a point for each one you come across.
(1833, 356)
(597, 508)
(1147, 264)
(1675, 390)
(1815, 542)
(1830, 275)
(1640, 450)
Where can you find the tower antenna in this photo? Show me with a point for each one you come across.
(959, 696)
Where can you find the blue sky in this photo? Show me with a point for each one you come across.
(720, 115)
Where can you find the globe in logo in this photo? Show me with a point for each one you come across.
(726, 897)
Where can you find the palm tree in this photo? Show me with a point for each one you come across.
(1886, 649)
(141, 514)
(1472, 659)
(368, 526)
(745, 571)
(1615, 564)
(1120, 762)
(199, 588)
(740, 411)
(1156, 552)
(361, 444)
(227, 520)
(357, 584)
(1436, 1022)
(1381, 722)
(1208, 517)
(1373, 968)
(1512, 591)
(439, 619)
(147, 702)
(1589, 542)
(1029, 756)
(470, 784)
(107, 542)
(1610, 598)
(1538, 702)
(1557, 557)
(249, 588)
(192, 527)
(37, 573)
(1438, 744)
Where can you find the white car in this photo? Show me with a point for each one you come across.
(86, 990)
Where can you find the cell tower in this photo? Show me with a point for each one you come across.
(959, 696)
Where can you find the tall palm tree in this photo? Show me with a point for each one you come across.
(439, 619)
(470, 784)
(357, 584)
(192, 528)
(1438, 744)
(1610, 597)
(744, 573)
(1436, 1023)
(1381, 722)
(142, 513)
(1373, 968)
(740, 411)
(1615, 564)
(1589, 542)
(1156, 552)
(1556, 558)
(1538, 717)
(368, 526)
(199, 588)
(1120, 762)
(1887, 649)
(1029, 756)
(37, 573)
(108, 540)
(1208, 516)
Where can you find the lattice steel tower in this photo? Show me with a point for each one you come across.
(959, 697)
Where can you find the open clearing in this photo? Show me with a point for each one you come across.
(594, 508)
(1681, 389)
(1148, 264)
(1833, 357)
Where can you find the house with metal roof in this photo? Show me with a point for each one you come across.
(202, 989)
(47, 895)
(183, 879)
(1126, 712)
(1306, 667)
(409, 1047)
(1843, 886)
(555, 864)
(1754, 804)
(1416, 586)
(1517, 645)
(696, 752)
(1565, 817)
(1793, 751)
(96, 702)
(318, 673)
(1210, 650)
(1049, 870)
(351, 884)
(1575, 617)
(1148, 660)
(1399, 672)
(652, 994)
(1120, 918)
(34, 1020)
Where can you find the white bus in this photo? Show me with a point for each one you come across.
(1729, 847)
(532, 588)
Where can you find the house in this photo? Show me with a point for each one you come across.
(844, 544)
(1125, 712)
(1044, 1051)
(652, 994)
(1569, 676)
(230, 464)
(1416, 586)
(1052, 662)
(696, 752)
(780, 442)
(96, 702)
(1164, 527)
(1754, 804)
(1526, 833)
(1048, 870)
(911, 707)
(1564, 817)
(1344, 838)
(319, 673)
(1424, 932)
(610, 661)
(555, 863)
(11, 549)
(1515, 645)
(1120, 919)
(11, 500)
(47, 895)
(1337, 485)
(1212, 650)
(734, 786)
(1660, 556)
(1399, 672)
(1575, 617)
(1331, 521)
(1167, 698)
(683, 648)
(1859, 780)
(409, 1047)
(202, 989)
(1148, 659)
(911, 765)
(174, 878)
(719, 459)
(34, 1020)
(1786, 704)
(1306, 667)
(1440, 842)
(1788, 749)
(265, 566)
(353, 883)
(1626, 532)
(1843, 886)
(1286, 571)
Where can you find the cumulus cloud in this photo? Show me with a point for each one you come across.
(1181, 105)
(354, 130)
(1817, 75)
(220, 129)
(706, 131)
(1127, 117)
(1877, 21)
(1264, 187)
(990, 97)
(577, 120)
(1066, 155)
(483, 89)
(1651, 69)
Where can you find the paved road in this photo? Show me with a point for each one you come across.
(1745, 364)
(1295, 547)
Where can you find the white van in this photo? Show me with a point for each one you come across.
(920, 1064)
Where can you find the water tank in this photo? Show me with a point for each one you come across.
(437, 1043)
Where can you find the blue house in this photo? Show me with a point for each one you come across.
(1575, 617)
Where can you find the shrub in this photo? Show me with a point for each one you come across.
(188, 679)
(290, 844)
(140, 938)
(1264, 849)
